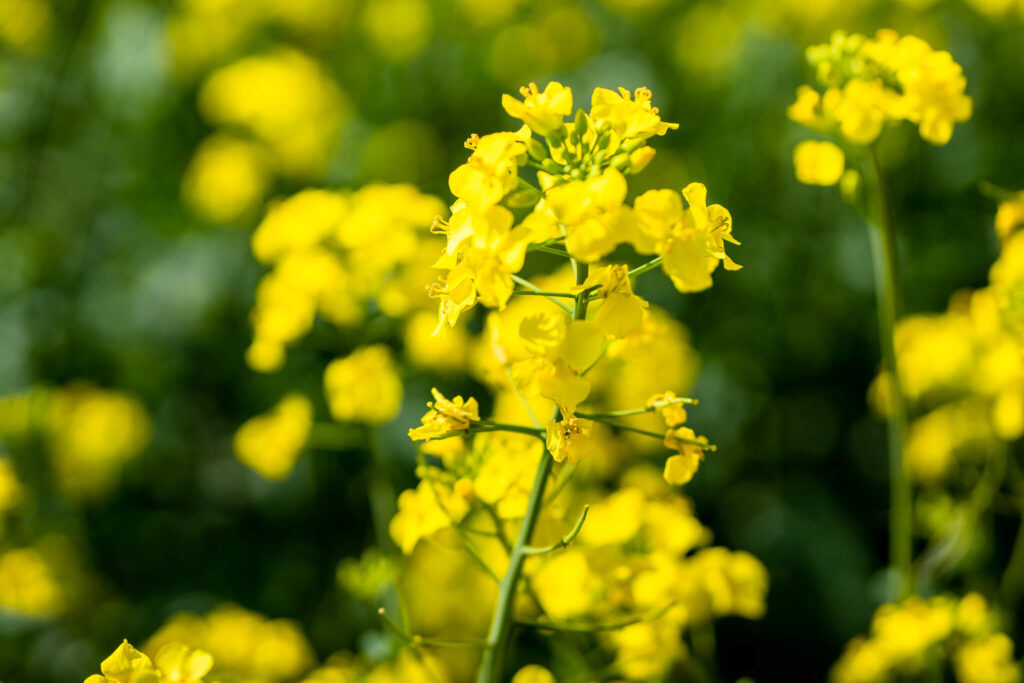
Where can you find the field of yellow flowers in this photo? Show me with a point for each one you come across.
(487, 341)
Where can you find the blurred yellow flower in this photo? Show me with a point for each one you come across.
(364, 386)
(226, 178)
(271, 443)
(818, 163)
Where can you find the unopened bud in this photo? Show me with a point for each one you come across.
(638, 159)
(536, 149)
(581, 123)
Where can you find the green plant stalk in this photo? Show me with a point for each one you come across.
(502, 620)
(889, 292)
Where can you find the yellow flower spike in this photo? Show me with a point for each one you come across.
(569, 439)
(181, 664)
(543, 111)
(818, 163)
(445, 417)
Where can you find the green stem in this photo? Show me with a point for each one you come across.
(501, 621)
(523, 282)
(637, 411)
(889, 291)
(650, 265)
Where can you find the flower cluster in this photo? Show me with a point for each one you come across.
(868, 83)
(643, 552)
(89, 433)
(921, 635)
(245, 645)
(332, 254)
(573, 343)
(578, 202)
(963, 370)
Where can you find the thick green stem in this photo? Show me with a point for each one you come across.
(502, 619)
(889, 291)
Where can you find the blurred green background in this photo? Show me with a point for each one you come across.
(123, 266)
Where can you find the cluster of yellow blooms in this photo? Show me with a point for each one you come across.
(334, 254)
(641, 550)
(871, 82)
(964, 369)
(578, 212)
(89, 433)
(921, 635)
(231, 171)
(245, 645)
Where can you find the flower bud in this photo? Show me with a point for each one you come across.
(537, 150)
(638, 159)
(581, 124)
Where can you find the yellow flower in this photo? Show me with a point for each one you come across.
(544, 111)
(1010, 216)
(679, 469)
(987, 659)
(246, 645)
(272, 442)
(492, 170)
(806, 110)
(629, 118)
(29, 584)
(284, 98)
(592, 214)
(621, 311)
(695, 243)
(533, 673)
(10, 488)
(181, 664)
(445, 417)
(91, 434)
(670, 410)
(299, 222)
(125, 665)
(26, 23)
(364, 386)
(818, 163)
(569, 439)
(226, 178)
(863, 109)
(428, 508)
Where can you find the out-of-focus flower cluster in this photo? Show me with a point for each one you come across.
(88, 434)
(870, 83)
(334, 254)
(925, 636)
(962, 372)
